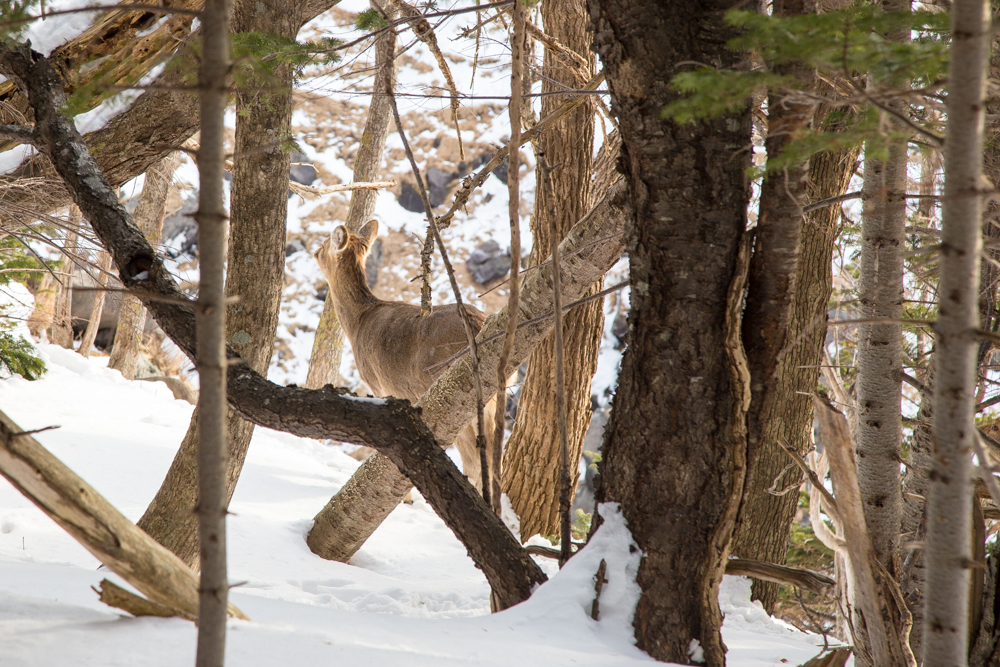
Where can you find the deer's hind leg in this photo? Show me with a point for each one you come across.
(467, 449)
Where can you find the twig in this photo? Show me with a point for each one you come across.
(823, 203)
(513, 212)
(599, 581)
(780, 574)
(581, 65)
(828, 499)
(984, 469)
(565, 482)
(466, 322)
(191, 146)
(309, 192)
(158, 9)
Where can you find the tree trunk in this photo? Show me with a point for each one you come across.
(948, 550)
(328, 345)
(103, 263)
(913, 529)
(674, 452)
(210, 314)
(880, 346)
(149, 217)
(255, 267)
(762, 532)
(772, 285)
(62, 326)
(531, 458)
(354, 513)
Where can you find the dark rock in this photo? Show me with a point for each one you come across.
(410, 199)
(487, 263)
(501, 171)
(373, 262)
(301, 173)
(180, 231)
(438, 181)
(294, 246)
(322, 292)
(619, 328)
(587, 488)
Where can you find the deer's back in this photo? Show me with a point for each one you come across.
(394, 347)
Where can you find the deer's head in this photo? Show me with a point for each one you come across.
(343, 254)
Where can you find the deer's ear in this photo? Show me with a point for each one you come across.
(339, 237)
(368, 233)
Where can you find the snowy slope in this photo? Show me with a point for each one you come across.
(410, 597)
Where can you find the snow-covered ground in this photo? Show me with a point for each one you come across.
(411, 596)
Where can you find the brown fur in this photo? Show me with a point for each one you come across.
(394, 346)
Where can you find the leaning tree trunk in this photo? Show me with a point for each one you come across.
(531, 465)
(328, 345)
(948, 551)
(256, 266)
(674, 453)
(765, 518)
(149, 217)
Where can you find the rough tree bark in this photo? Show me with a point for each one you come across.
(210, 317)
(255, 267)
(674, 453)
(328, 345)
(762, 532)
(531, 456)
(948, 551)
(772, 286)
(394, 428)
(149, 217)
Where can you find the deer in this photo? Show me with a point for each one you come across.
(395, 345)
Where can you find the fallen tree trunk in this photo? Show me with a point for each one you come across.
(591, 247)
(391, 426)
(96, 524)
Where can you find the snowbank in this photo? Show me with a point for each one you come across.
(410, 597)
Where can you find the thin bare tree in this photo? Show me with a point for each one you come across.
(210, 316)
